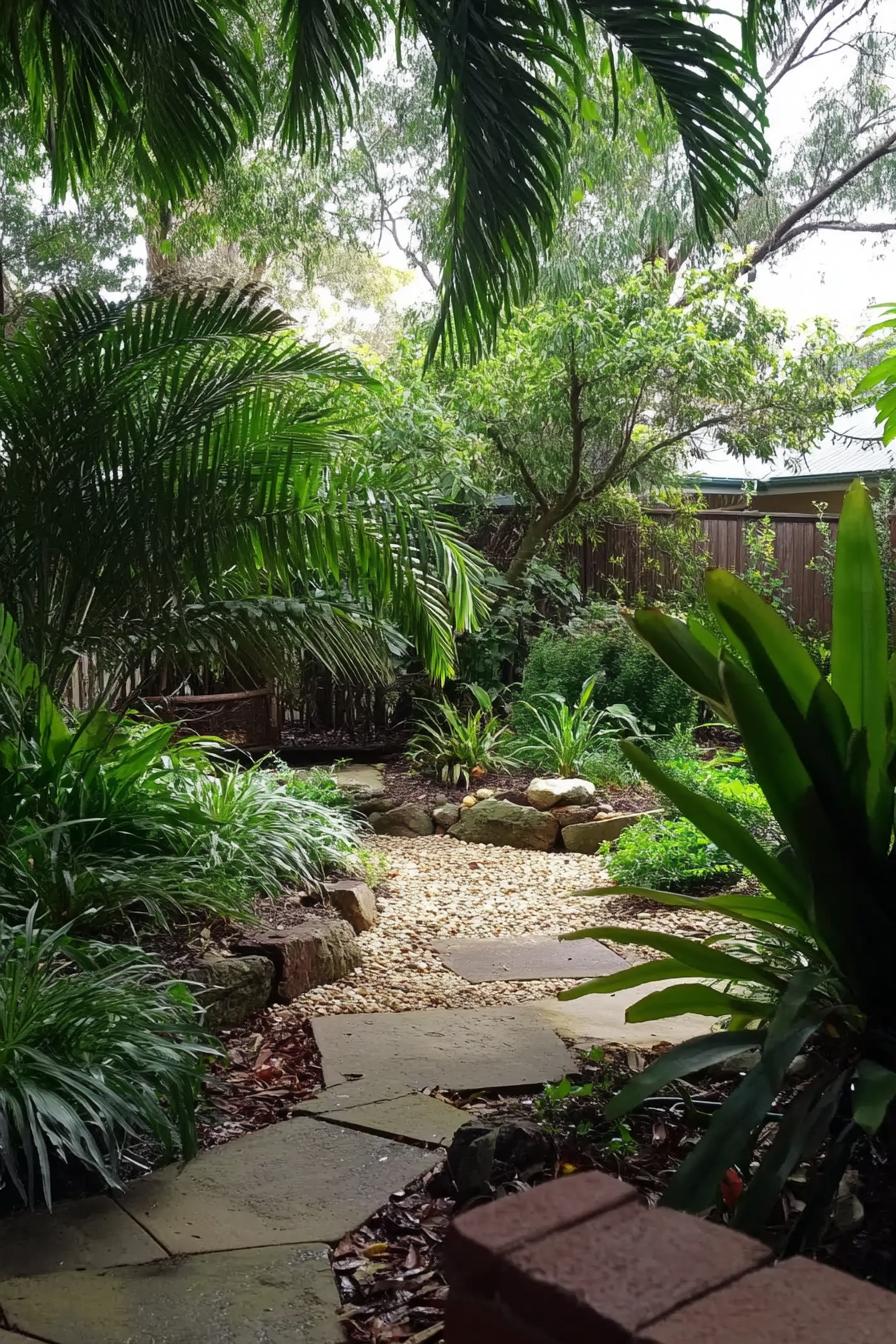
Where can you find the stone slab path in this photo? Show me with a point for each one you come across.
(461, 1050)
(482, 960)
(233, 1248)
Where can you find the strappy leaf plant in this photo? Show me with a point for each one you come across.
(562, 736)
(456, 744)
(813, 965)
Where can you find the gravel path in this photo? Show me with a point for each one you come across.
(437, 887)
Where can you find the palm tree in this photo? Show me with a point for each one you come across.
(175, 482)
(174, 86)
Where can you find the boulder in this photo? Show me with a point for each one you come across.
(482, 794)
(446, 814)
(316, 952)
(586, 837)
(354, 901)
(370, 805)
(545, 793)
(235, 988)
(495, 822)
(568, 816)
(517, 796)
(408, 819)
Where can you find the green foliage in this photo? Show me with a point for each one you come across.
(494, 655)
(574, 1112)
(97, 1050)
(822, 751)
(667, 853)
(101, 815)
(173, 101)
(626, 674)
(563, 738)
(881, 379)
(452, 743)
(733, 788)
(216, 510)
(317, 786)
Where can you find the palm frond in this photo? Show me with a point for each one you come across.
(711, 88)
(171, 85)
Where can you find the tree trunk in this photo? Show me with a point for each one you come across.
(536, 533)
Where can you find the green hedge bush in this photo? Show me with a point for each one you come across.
(627, 673)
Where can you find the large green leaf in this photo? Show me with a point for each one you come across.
(701, 957)
(859, 647)
(695, 1184)
(874, 1091)
(688, 656)
(762, 912)
(682, 1061)
(701, 999)
(665, 969)
(718, 824)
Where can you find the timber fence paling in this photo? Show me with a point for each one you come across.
(620, 561)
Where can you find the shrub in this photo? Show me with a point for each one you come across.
(608, 768)
(317, 786)
(734, 788)
(627, 673)
(454, 745)
(669, 853)
(101, 814)
(97, 1050)
(825, 756)
(563, 738)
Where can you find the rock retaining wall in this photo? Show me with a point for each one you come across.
(582, 1259)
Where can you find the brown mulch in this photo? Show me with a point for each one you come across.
(404, 786)
(271, 1064)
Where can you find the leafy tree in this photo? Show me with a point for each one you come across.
(178, 483)
(175, 90)
(615, 386)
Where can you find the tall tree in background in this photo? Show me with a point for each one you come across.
(616, 387)
(176, 91)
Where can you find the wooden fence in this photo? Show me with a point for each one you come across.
(619, 562)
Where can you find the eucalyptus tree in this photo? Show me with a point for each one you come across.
(177, 482)
(175, 89)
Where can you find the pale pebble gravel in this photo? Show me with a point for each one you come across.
(437, 887)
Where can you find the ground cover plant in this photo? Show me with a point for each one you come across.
(98, 1049)
(822, 753)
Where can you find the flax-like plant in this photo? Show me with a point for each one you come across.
(97, 1049)
(563, 736)
(824, 753)
(171, 90)
(176, 484)
(454, 744)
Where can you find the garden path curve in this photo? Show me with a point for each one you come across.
(233, 1248)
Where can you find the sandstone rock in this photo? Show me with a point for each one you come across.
(370, 805)
(495, 822)
(568, 816)
(545, 793)
(235, 988)
(446, 814)
(408, 819)
(517, 796)
(587, 837)
(468, 800)
(316, 952)
(482, 794)
(355, 902)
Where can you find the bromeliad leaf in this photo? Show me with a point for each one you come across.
(682, 1061)
(701, 957)
(874, 1090)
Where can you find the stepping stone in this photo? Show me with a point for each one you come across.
(483, 959)
(296, 1181)
(599, 1019)
(414, 1118)
(84, 1234)
(276, 1295)
(361, 1092)
(461, 1049)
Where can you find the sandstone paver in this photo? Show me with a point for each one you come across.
(599, 1019)
(296, 1181)
(486, 959)
(277, 1295)
(88, 1233)
(462, 1049)
(413, 1118)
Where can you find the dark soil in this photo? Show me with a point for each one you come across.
(404, 785)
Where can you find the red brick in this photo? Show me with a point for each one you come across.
(796, 1302)
(478, 1238)
(618, 1272)
(479, 1320)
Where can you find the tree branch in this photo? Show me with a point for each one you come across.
(517, 458)
(792, 57)
(392, 224)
